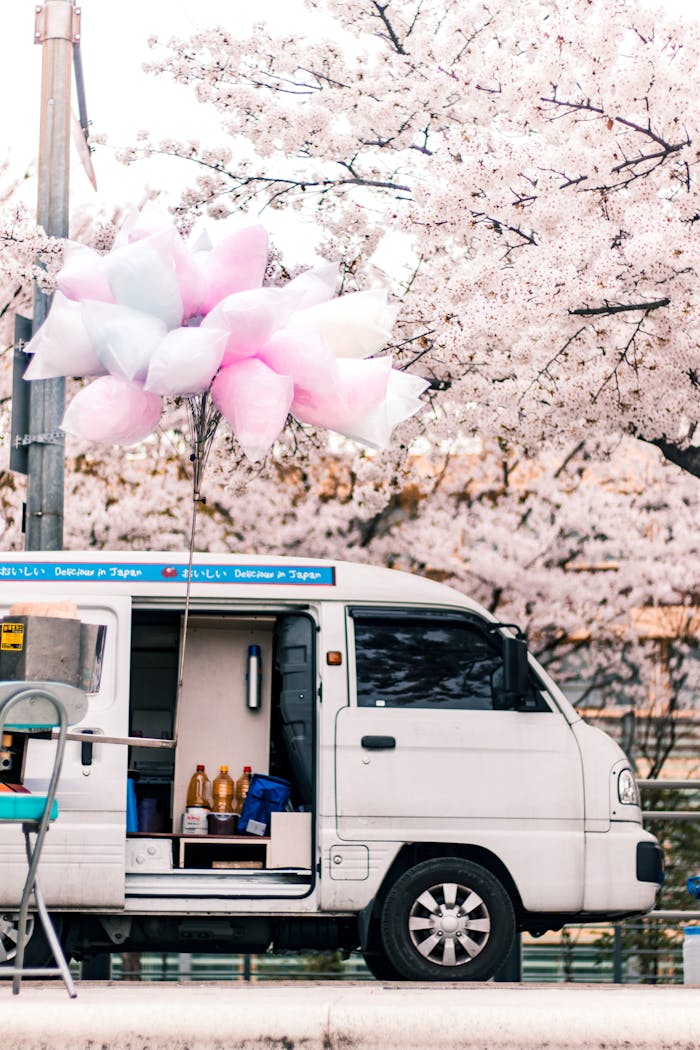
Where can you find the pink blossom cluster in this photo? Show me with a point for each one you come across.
(156, 317)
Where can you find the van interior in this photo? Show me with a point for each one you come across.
(214, 723)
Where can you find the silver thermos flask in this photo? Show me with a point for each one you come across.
(253, 678)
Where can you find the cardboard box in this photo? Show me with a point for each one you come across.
(290, 840)
(236, 864)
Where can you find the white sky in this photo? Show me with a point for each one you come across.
(121, 98)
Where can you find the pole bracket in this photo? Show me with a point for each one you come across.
(53, 437)
(57, 20)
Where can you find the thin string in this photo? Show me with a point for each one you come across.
(203, 419)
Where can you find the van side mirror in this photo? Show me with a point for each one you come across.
(515, 667)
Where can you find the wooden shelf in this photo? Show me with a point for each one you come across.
(152, 835)
(208, 849)
(287, 846)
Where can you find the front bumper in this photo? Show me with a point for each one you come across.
(624, 869)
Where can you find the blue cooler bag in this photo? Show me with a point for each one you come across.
(266, 795)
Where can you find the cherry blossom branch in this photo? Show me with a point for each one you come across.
(571, 455)
(654, 159)
(545, 370)
(390, 34)
(619, 308)
(622, 358)
(287, 184)
(687, 458)
(499, 225)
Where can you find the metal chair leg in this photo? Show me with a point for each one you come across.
(32, 886)
(54, 942)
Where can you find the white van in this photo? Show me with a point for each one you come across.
(444, 793)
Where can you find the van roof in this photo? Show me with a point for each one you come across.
(240, 576)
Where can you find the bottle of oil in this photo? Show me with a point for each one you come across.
(198, 790)
(222, 792)
(242, 785)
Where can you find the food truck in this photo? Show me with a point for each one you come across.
(442, 793)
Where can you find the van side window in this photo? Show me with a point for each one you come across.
(425, 662)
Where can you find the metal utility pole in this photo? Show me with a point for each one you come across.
(57, 29)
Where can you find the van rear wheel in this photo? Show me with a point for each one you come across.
(447, 920)
(37, 950)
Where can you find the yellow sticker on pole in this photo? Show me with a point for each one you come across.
(12, 637)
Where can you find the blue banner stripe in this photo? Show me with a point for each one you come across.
(88, 572)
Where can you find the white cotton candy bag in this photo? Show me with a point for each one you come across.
(123, 339)
(62, 346)
(185, 361)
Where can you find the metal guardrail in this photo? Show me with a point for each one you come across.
(670, 785)
(680, 785)
(674, 815)
(582, 954)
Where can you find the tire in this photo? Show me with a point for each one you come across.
(447, 920)
(380, 966)
(37, 951)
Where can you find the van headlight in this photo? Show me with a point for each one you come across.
(627, 790)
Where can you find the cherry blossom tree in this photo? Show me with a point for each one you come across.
(526, 174)
(523, 176)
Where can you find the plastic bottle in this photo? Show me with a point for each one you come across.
(222, 792)
(198, 790)
(242, 785)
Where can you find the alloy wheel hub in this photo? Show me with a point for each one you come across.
(449, 924)
(8, 935)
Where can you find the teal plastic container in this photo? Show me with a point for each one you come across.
(24, 807)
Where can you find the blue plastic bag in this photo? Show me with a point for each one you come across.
(266, 795)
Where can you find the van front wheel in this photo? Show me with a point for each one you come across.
(380, 967)
(447, 920)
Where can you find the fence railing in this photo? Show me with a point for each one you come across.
(670, 814)
(673, 916)
(597, 954)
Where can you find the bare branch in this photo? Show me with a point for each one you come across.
(619, 308)
(390, 34)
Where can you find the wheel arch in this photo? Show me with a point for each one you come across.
(414, 853)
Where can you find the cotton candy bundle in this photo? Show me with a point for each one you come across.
(158, 317)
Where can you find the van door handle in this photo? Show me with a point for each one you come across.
(86, 750)
(378, 743)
